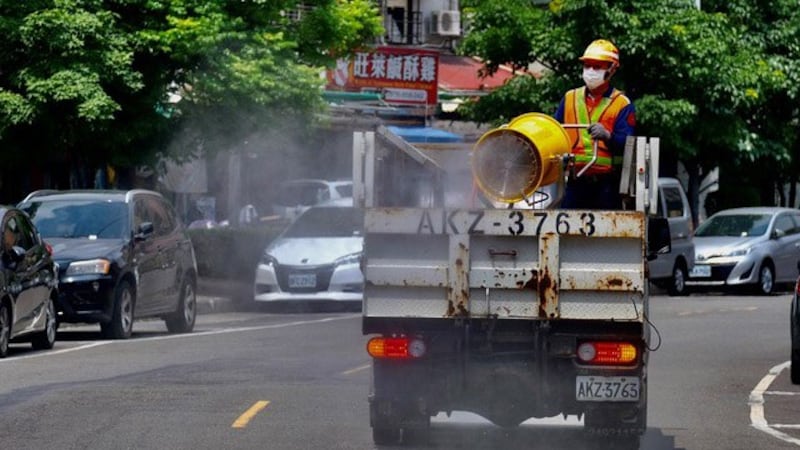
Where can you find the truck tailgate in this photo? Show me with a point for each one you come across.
(509, 264)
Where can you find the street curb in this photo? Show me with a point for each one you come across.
(214, 305)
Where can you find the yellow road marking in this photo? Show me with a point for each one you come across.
(248, 415)
(357, 369)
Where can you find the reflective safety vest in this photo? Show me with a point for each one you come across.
(606, 113)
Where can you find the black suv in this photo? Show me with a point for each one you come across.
(121, 255)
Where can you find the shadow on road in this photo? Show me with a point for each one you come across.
(480, 436)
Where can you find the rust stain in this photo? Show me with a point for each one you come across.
(451, 310)
(614, 283)
(459, 262)
(546, 289)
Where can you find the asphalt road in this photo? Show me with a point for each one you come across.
(300, 381)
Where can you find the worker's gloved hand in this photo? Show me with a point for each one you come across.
(599, 132)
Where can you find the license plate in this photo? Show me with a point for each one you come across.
(302, 280)
(606, 389)
(700, 272)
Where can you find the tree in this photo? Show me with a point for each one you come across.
(702, 80)
(90, 82)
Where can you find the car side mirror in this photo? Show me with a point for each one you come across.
(778, 233)
(144, 231)
(659, 240)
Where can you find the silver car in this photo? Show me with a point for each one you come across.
(317, 258)
(757, 247)
(296, 196)
(671, 270)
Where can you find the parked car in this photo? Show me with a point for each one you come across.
(758, 247)
(317, 258)
(671, 270)
(295, 196)
(28, 284)
(794, 326)
(122, 255)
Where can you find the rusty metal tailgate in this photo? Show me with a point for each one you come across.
(511, 264)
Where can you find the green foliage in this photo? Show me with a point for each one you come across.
(91, 80)
(715, 84)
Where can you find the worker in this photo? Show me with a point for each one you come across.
(610, 117)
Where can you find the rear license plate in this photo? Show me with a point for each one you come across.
(700, 272)
(606, 389)
(302, 280)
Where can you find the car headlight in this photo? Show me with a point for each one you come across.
(353, 258)
(268, 260)
(89, 267)
(739, 252)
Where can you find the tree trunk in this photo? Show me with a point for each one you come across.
(693, 169)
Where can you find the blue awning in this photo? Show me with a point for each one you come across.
(425, 134)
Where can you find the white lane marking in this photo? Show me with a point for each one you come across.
(54, 352)
(717, 311)
(781, 393)
(357, 369)
(179, 336)
(756, 401)
(240, 329)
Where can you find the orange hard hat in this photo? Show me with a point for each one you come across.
(601, 50)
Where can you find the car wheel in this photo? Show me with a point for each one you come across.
(766, 279)
(182, 320)
(677, 285)
(121, 324)
(5, 329)
(45, 339)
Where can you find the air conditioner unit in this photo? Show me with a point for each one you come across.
(446, 23)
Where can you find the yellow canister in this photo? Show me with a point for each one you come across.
(510, 162)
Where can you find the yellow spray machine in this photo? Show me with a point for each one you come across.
(510, 163)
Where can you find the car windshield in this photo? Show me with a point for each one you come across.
(345, 190)
(738, 225)
(97, 219)
(327, 222)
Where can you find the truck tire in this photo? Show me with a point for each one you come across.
(385, 435)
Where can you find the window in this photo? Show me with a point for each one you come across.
(784, 225)
(674, 201)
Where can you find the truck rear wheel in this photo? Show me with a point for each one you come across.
(385, 435)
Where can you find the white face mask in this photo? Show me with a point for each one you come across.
(593, 77)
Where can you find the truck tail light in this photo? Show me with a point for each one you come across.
(611, 353)
(396, 347)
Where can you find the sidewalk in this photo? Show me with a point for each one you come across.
(219, 296)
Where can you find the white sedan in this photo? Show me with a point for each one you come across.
(317, 258)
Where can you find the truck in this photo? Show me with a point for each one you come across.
(481, 295)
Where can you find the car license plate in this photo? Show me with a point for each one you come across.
(302, 280)
(606, 389)
(699, 271)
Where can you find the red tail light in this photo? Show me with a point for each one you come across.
(396, 348)
(49, 248)
(607, 353)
